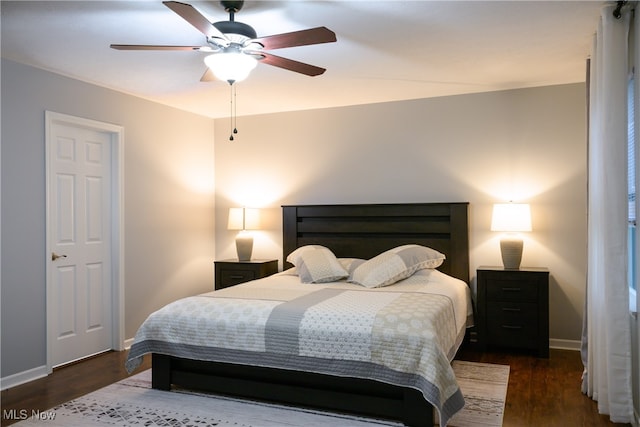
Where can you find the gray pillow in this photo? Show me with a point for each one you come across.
(317, 264)
(394, 265)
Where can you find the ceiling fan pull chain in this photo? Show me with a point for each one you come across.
(235, 110)
(231, 118)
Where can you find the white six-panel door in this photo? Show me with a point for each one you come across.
(80, 208)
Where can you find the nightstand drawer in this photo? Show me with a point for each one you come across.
(510, 315)
(233, 277)
(232, 272)
(513, 324)
(513, 331)
(513, 290)
(507, 335)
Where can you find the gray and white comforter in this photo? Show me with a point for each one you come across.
(405, 334)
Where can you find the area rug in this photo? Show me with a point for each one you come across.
(484, 387)
(132, 402)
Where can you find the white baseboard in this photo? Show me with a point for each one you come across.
(36, 373)
(23, 377)
(565, 344)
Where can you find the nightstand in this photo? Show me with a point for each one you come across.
(230, 272)
(513, 309)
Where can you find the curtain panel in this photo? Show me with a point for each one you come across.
(607, 335)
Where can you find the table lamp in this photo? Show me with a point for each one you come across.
(511, 218)
(244, 219)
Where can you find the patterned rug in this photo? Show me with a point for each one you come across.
(132, 402)
(484, 387)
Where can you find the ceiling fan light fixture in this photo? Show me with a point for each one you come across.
(231, 65)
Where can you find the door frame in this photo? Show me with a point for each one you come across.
(117, 224)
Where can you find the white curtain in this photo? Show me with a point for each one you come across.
(607, 335)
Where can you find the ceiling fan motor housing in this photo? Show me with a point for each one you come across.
(234, 27)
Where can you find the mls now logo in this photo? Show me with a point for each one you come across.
(23, 414)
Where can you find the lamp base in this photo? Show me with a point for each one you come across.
(511, 250)
(244, 246)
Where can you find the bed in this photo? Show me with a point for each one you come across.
(254, 366)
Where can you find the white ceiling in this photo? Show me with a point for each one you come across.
(386, 50)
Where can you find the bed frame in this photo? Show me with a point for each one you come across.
(360, 231)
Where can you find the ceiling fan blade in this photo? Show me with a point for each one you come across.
(157, 47)
(208, 76)
(195, 18)
(297, 38)
(290, 64)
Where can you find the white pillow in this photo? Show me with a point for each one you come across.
(348, 264)
(320, 266)
(317, 264)
(294, 257)
(394, 265)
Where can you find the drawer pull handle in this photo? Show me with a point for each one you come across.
(514, 310)
(236, 277)
(511, 289)
(511, 327)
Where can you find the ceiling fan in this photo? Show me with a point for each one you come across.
(235, 47)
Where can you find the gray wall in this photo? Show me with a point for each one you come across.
(169, 203)
(524, 145)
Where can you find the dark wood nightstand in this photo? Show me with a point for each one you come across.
(230, 272)
(513, 308)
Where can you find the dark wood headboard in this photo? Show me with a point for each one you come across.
(364, 231)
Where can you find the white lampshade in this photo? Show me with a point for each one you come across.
(231, 65)
(511, 217)
(244, 219)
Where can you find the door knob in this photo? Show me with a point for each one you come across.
(55, 256)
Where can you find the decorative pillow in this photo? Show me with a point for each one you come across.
(348, 264)
(320, 266)
(394, 265)
(294, 257)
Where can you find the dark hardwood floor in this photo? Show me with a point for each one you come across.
(541, 392)
(65, 383)
(544, 392)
